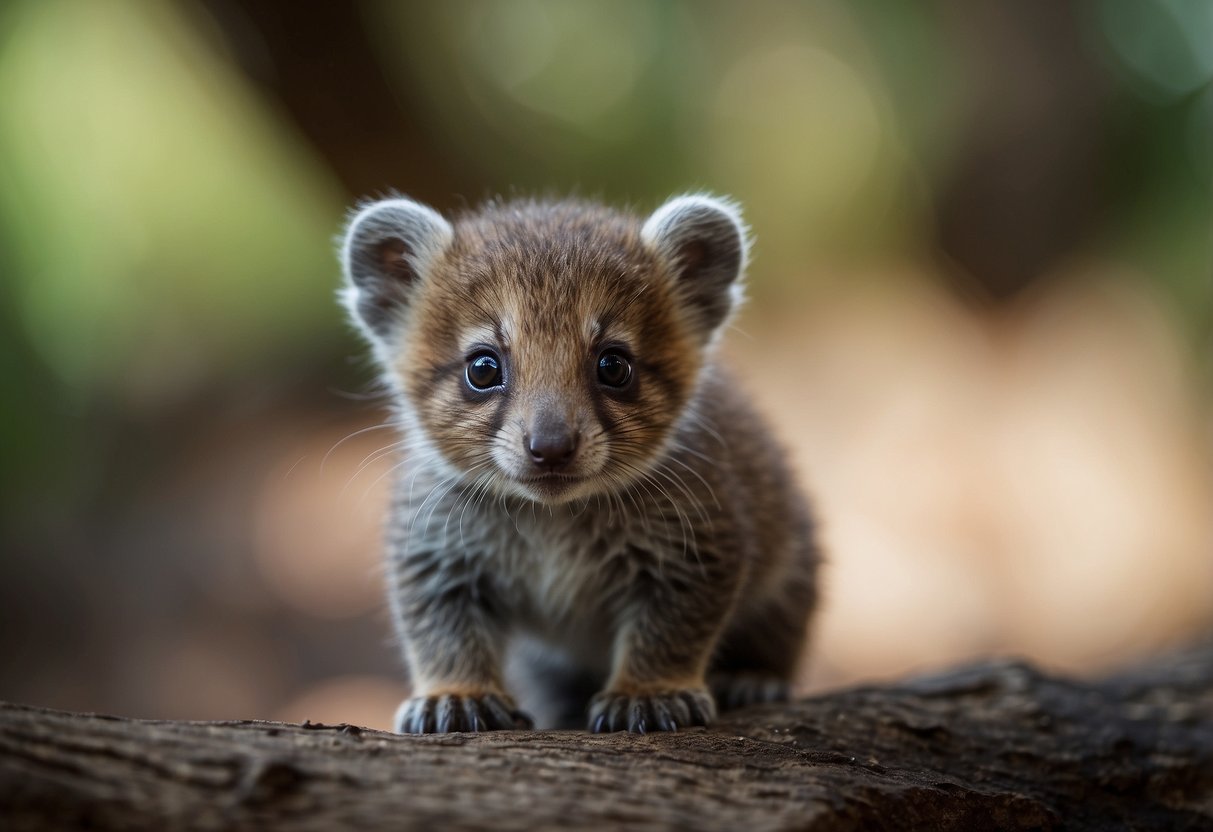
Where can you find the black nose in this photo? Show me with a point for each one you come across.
(552, 449)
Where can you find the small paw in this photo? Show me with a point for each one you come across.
(666, 711)
(737, 690)
(448, 713)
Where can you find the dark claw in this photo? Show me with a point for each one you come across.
(739, 690)
(445, 711)
(449, 713)
(695, 706)
(498, 713)
(471, 715)
(419, 713)
(654, 712)
(618, 709)
(776, 690)
(663, 717)
(636, 717)
(425, 718)
(679, 711)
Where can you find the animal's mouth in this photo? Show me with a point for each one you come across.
(550, 480)
(550, 484)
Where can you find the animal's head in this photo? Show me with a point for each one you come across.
(547, 348)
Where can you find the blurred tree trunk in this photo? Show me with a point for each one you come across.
(1028, 182)
(320, 65)
(996, 745)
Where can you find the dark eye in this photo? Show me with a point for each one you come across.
(484, 371)
(613, 369)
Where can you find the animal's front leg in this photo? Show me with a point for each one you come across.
(667, 632)
(452, 644)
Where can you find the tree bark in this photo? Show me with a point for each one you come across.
(995, 745)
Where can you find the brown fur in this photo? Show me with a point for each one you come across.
(677, 550)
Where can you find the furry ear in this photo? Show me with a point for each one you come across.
(706, 243)
(387, 248)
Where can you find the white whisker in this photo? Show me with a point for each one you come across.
(347, 438)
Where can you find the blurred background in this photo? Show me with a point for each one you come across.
(981, 316)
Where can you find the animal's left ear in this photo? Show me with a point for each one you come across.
(705, 243)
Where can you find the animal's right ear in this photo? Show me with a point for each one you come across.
(388, 248)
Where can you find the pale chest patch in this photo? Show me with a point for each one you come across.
(560, 572)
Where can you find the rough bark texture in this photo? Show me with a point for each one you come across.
(996, 745)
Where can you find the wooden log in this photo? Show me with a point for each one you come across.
(994, 745)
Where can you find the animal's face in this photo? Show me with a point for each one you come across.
(544, 350)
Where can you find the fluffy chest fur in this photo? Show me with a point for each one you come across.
(558, 572)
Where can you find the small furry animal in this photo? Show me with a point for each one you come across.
(591, 524)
